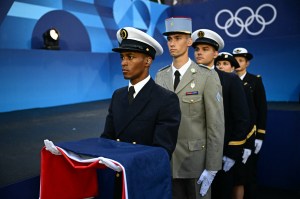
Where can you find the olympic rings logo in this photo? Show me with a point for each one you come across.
(244, 25)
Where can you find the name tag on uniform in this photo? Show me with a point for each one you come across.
(192, 93)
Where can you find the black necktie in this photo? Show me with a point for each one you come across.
(177, 79)
(130, 94)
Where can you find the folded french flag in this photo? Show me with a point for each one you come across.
(87, 168)
(66, 175)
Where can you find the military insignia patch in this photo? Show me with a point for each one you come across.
(219, 97)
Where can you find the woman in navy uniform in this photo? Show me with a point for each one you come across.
(259, 97)
(227, 63)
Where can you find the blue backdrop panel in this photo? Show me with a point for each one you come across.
(279, 161)
(15, 36)
(69, 39)
(41, 78)
(267, 29)
(280, 74)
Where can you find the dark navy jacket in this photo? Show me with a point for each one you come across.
(236, 114)
(260, 102)
(152, 119)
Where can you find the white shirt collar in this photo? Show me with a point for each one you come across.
(138, 86)
(211, 68)
(182, 69)
(243, 76)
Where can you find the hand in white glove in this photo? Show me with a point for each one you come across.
(107, 162)
(258, 144)
(51, 147)
(246, 154)
(206, 179)
(228, 163)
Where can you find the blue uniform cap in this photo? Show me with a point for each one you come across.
(178, 25)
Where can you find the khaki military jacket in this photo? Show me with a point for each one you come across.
(201, 131)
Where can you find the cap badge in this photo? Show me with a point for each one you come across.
(171, 23)
(238, 50)
(226, 56)
(123, 33)
(147, 49)
(201, 34)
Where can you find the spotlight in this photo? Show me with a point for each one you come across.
(51, 39)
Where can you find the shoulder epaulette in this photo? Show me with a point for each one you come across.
(258, 76)
(164, 68)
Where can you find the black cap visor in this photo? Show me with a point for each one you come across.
(135, 46)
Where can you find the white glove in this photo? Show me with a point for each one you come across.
(206, 179)
(109, 164)
(258, 144)
(246, 154)
(228, 163)
(51, 147)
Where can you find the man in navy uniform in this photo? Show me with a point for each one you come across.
(153, 115)
(207, 44)
(142, 112)
(259, 97)
(199, 149)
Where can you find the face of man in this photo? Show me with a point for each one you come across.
(225, 66)
(135, 66)
(205, 54)
(178, 44)
(243, 64)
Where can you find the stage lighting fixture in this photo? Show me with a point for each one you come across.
(51, 39)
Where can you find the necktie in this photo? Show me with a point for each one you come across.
(130, 94)
(177, 79)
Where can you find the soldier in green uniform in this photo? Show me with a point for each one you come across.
(199, 149)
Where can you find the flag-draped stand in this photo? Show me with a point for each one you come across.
(76, 172)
